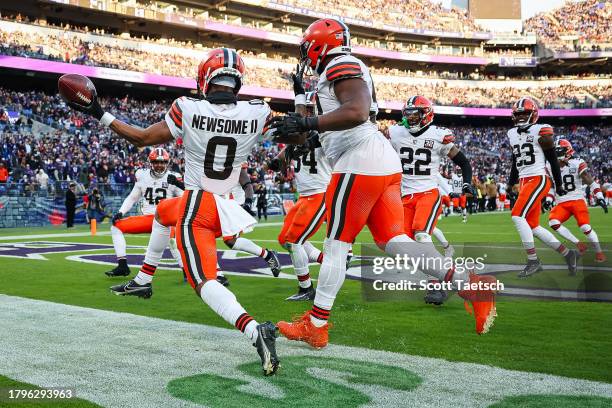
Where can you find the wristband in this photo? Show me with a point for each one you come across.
(300, 99)
(312, 123)
(107, 119)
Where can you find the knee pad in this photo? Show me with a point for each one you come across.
(586, 228)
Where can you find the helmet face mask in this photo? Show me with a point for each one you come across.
(159, 160)
(417, 113)
(524, 113)
(564, 150)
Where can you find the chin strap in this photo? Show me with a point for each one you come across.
(222, 98)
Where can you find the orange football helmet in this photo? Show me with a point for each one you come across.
(220, 61)
(524, 112)
(322, 38)
(417, 113)
(564, 149)
(159, 159)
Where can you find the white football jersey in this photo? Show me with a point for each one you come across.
(362, 149)
(501, 188)
(457, 183)
(312, 172)
(572, 180)
(152, 189)
(217, 139)
(530, 160)
(421, 155)
(444, 185)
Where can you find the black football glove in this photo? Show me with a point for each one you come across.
(118, 215)
(467, 188)
(247, 206)
(94, 109)
(547, 204)
(298, 81)
(602, 203)
(173, 180)
(292, 124)
(560, 191)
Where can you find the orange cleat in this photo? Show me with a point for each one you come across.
(302, 329)
(582, 248)
(600, 257)
(483, 302)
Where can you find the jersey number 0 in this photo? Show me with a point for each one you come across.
(209, 159)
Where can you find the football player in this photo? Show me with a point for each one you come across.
(218, 133)
(574, 175)
(421, 146)
(166, 216)
(312, 175)
(366, 177)
(152, 186)
(501, 188)
(532, 147)
(458, 196)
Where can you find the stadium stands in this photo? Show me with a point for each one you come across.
(79, 149)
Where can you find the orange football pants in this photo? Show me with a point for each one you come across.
(356, 200)
(421, 211)
(197, 228)
(531, 192)
(577, 208)
(303, 219)
(137, 224)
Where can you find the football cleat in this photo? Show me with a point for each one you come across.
(582, 248)
(223, 280)
(302, 329)
(119, 270)
(435, 297)
(303, 294)
(273, 263)
(533, 266)
(482, 303)
(571, 259)
(600, 257)
(131, 288)
(266, 347)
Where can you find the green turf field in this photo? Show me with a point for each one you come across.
(561, 338)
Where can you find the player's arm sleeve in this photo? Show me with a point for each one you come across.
(247, 186)
(466, 168)
(344, 68)
(514, 175)
(131, 199)
(174, 118)
(545, 134)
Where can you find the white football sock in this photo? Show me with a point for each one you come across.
(176, 254)
(118, 242)
(331, 276)
(564, 232)
(591, 236)
(314, 254)
(224, 303)
(248, 246)
(439, 235)
(524, 231)
(299, 258)
(158, 241)
(550, 240)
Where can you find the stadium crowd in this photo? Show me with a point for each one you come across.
(72, 49)
(588, 22)
(76, 148)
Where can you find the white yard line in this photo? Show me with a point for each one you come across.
(123, 360)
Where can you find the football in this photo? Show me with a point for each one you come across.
(77, 89)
